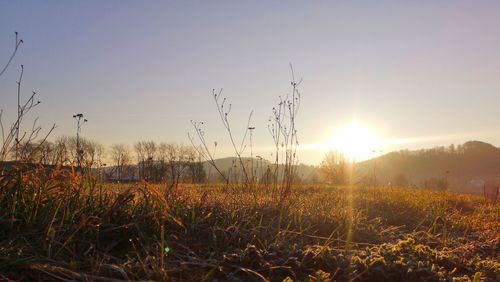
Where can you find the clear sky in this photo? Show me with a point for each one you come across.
(417, 73)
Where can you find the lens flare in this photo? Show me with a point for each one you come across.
(356, 141)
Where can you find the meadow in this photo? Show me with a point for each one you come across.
(228, 206)
(60, 226)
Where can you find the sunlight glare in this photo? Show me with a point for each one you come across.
(356, 141)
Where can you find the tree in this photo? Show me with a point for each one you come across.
(62, 150)
(38, 152)
(120, 154)
(178, 158)
(334, 168)
(92, 153)
(141, 157)
(195, 166)
(65, 151)
(146, 155)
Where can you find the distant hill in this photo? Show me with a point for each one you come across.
(464, 166)
(230, 165)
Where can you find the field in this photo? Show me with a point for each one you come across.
(61, 227)
(344, 189)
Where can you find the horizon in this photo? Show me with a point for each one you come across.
(422, 75)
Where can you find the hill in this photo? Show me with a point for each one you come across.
(464, 167)
(231, 166)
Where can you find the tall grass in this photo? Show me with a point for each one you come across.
(56, 225)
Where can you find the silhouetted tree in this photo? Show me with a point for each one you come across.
(334, 168)
(120, 154)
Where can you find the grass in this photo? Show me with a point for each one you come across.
(60, 227)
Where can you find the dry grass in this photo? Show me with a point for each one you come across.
(61, 227)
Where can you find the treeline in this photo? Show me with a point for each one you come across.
(468, 148)
(155, 162)
(160, 162)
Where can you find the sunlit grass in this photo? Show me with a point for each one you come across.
(62, 227)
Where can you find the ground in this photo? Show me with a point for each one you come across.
(63, 228)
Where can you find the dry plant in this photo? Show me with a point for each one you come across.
(224, 110)
(220, 102)
(204, 150)
(282, 128)
(12, 139)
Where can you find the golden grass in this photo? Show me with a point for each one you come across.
(66, 227)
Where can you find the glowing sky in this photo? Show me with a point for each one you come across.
(419, 74)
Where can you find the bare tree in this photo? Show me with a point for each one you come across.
(141, 157)
(66, 152)
(195, 165)
(62, 150)
(92, 153)
(170, 163)
(146, 153)
(177, 163)
(150, 149)
(38, 152)
(45, 154)
(334, 168)
(120, 154)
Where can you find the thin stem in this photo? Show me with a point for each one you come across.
(18, 43)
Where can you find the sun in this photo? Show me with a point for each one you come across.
(356, 141)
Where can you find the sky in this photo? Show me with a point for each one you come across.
(415, 73)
